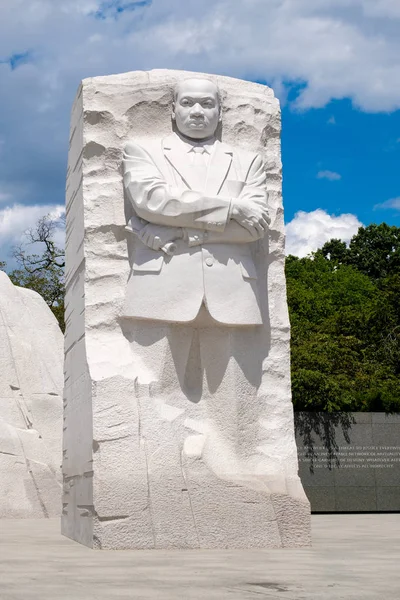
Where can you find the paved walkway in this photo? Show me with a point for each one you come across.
(354, 557)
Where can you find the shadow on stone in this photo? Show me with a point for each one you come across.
(323, 426)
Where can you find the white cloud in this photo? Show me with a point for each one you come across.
(393, 203)
(15, 220)
(338, 48)
(327, 50)
(330, 49)
(330, 175)
(308, 231)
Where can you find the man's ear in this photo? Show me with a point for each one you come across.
(220, 114)
(173, 111)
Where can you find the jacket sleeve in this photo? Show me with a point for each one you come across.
(232, 234)
(156, 202)
(254, 189)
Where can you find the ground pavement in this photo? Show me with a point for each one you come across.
(354, 557)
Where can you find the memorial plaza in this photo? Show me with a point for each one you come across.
(353, 557)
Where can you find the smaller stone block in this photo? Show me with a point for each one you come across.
(31, 381)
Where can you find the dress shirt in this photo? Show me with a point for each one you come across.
(198, 158)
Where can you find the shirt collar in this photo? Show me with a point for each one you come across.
(189, 144)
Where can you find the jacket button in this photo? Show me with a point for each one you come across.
(209, 262)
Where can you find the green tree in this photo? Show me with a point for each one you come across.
(335, 250)
(42, 272)
(374, 251)
(345, 333)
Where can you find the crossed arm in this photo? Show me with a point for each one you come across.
(156, 236)
(169, 214)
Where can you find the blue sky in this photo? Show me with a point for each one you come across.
(335, 65)
(362, 149)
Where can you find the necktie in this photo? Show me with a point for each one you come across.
(198, 165)
(198, 157)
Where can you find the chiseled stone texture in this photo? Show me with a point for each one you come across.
(31, 382)
(140, 469)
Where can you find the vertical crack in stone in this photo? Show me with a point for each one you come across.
(271, 499)
(28, 468)
(190, 499)
(42, 504)
(18, 398)
(142, 439)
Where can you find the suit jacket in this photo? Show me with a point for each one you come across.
(214, 263)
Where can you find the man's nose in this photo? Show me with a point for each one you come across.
(197, 109)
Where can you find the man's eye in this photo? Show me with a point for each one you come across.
(185, 103)
(208, 104)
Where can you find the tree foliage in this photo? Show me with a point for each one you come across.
(344, 307)
(374, 251)
(43, 270)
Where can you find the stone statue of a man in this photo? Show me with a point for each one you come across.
(211, 201)
(178, 422)
(198, 206)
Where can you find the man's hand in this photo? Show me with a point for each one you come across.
(156, 236)
(251, 214)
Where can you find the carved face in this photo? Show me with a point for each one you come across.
(196, 108)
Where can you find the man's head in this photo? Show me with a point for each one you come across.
(197, 108)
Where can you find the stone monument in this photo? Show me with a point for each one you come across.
(31, 382)
(178, 425)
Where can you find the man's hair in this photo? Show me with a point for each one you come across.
(178, 83)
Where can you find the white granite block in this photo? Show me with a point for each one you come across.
(31, 380)
(176, 434)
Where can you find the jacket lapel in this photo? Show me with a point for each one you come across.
(174, 152)
(218, 168)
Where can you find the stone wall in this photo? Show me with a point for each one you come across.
(350, 462)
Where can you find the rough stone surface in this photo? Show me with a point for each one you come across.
(31, 382)
(142, 468)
